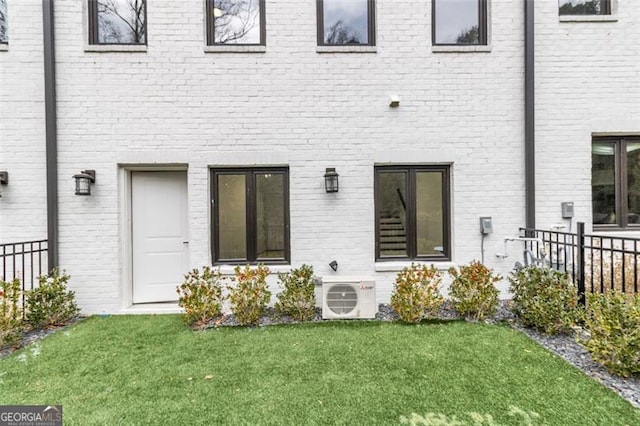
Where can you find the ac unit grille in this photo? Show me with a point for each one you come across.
(342, 299)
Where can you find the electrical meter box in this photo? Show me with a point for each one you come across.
(567, 210)
(486, 225)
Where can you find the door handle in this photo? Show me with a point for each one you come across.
(185, 242)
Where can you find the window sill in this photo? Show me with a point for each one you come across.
(115, 48)
(346, 49)
(4, 47)
(273, 269)
(462, 49)
(235, 49)
(588, 18)
(441, 265)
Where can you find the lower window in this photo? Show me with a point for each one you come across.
(250, 215)
(615, 182)
(412, 212)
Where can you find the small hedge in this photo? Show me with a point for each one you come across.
(200, 295)
(250, 294)
(11, 325)
(544, 299)
(473, 292)
(612, 321)
(51, 304)
(298, 299)
(416, 293)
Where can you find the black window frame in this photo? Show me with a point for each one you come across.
(621, 175)
(210, 22)
(93, 26)
(605, 4)
(251, 217)
(411, 204)
(6, 22)
(371, 25)
(483, 24)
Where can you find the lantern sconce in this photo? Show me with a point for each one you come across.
(84, 179)
(4, 179)
(331, 180)
(334, 265)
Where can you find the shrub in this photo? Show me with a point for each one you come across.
(200, 295)
(51, 303)
(544, 299)
(250, 296)
(10, 312)
(416, 293)
(613, 324)
(298, 298)
(473, 292)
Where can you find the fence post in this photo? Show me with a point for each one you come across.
(581, 263)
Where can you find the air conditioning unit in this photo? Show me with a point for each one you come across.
(348, 297)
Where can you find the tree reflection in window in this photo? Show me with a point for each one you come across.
(237, 21)
(119, 22)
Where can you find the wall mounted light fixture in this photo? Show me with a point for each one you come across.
(334, 265)
(4, 179)
(84, 179)
(394, 101)
(331, 180)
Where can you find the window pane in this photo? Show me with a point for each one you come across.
(232, 217)
(429, 213)
(4, 24)
(603, 178)
(457, 22)
(393, 214)
(633, 181)
(270, 216)
(346, 22)
(121, 22)
(236, 21)
(584, 7)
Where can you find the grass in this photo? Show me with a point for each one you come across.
(153, 370)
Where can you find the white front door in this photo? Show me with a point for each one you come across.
(159, 227)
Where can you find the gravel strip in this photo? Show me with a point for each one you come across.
(34, 335)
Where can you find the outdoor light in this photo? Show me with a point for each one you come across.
(331, 180)
(4, 179)
(334, 265)
(84, 179)
(394, 101)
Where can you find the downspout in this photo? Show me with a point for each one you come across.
(51, 137)
(529, 115)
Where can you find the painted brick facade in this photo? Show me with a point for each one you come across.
(175, 104)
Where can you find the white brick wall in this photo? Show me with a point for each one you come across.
(175, 103)
(22, 143)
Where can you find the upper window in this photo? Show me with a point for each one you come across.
(346, 22)
(459, 22)
(4, 24)
(585, 7)
(412, 212)
(117, 22)
(239, 22)
(615, 182)
(250, 215)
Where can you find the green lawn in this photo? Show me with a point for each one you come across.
(153, 370)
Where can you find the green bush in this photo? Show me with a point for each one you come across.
(50, 304)
(298, 298)
(544, 299)
(200, 295)
(416, 293)
(11, 326)
(612, 321)
(473, 292)
(250, 295)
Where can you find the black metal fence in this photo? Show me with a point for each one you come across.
(25, 260)
(596, 263)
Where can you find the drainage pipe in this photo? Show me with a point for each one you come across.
(51, 137)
